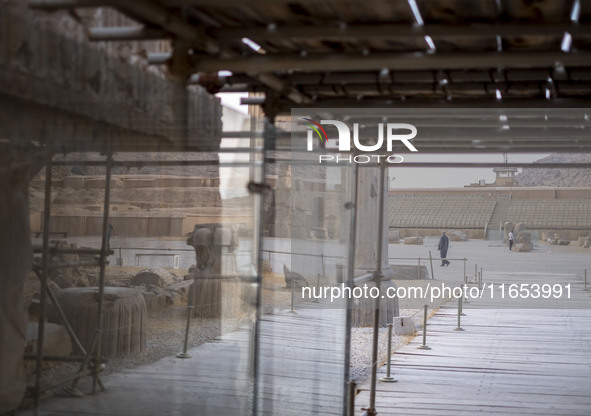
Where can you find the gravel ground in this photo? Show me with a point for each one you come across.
(362, 338)
(165, 338)
(362, 342)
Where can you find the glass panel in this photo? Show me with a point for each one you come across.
(180, 283)
(304, 337)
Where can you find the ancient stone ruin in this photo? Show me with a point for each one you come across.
(522, 238)
(216, 290)
(124, 318)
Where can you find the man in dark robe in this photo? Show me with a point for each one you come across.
(442, 247)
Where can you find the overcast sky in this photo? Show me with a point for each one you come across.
(451, 177)
(428, 177)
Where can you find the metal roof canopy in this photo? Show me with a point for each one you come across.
(498, 55)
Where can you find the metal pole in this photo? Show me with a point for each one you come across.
(585, 281)
(419, 269)
(351, 402)
(371, 411)
(462, 302)
(43, 278)
(459, 328)
(184, 354)
(480, 280)
(292, 296)
(340, 277)
(322, 260)
(424, 346)
(431, 262)
(317, 288)
(352, 206)
(103, 266)
(253, 331)
(269, 135)
(464, 291)
(465, 275)
(389, 378)
(475, 273)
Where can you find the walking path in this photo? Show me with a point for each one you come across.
(507, 361)
(301, 372)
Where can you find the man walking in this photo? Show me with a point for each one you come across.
(442, 247)
(511, 237)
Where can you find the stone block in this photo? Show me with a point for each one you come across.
(394, 236)
(413, 241)
(522, 247)
(409, 272)
(457, 235)
(519, 227)
(524, 237)
(403, 325)
(222, 237)
(154, 277)
(124, 318)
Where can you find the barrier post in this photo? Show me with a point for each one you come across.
(292, 297)
(419, 269)
(464, 287)
(352, 391)
(184, 354)
(388, 377)
(459, 328)
(317, 288)
(465, 275)
(424, 346)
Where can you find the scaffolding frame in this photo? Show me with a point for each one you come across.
(92, 361)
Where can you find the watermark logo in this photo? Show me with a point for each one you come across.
(386, 132)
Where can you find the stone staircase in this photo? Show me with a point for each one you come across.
(498, 214)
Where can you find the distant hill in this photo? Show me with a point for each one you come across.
(558, 177)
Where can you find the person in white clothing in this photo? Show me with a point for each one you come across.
(511, 237)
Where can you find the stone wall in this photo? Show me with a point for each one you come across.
(302, 207)
(56, 86)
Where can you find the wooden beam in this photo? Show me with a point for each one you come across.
(127, 33)
(394, 61)
(51, 5)
(399, 31)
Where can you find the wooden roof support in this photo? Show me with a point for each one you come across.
(395, 61)
(127, 33)
(399, 31)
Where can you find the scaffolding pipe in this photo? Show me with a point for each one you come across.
(63, 265)
(351, 398)
(43, 277)
(103, 265)
(352, 206)
(268, 136)
(378, 278)
(55, 250)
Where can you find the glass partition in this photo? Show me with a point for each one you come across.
(173, 309)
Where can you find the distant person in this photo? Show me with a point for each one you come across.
(442, 247)
(511, 238)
